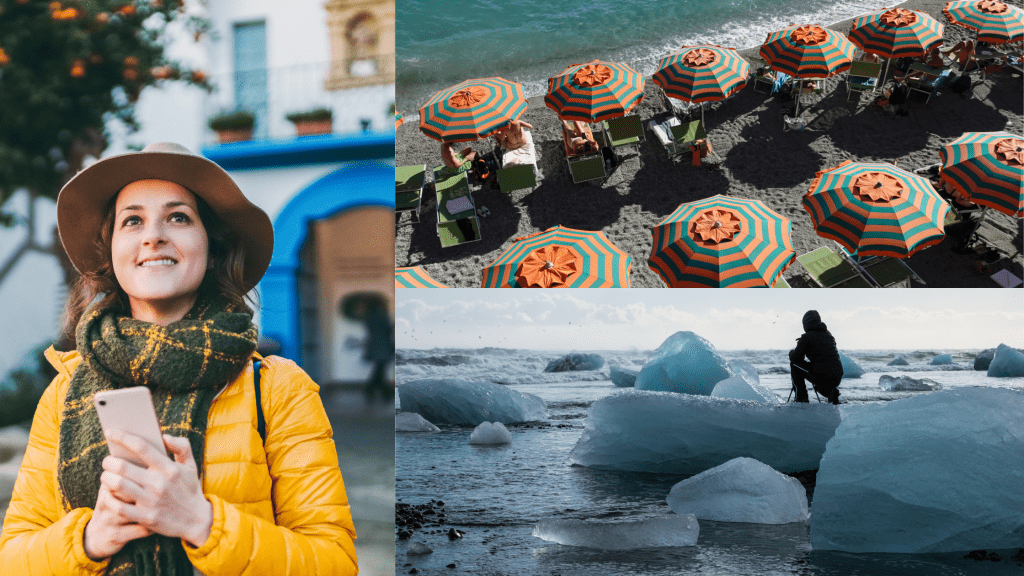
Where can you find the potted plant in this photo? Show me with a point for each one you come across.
(235, 126)
(309, 122)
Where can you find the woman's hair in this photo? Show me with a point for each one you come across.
(225, 278)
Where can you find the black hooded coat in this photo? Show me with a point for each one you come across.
(818, 345)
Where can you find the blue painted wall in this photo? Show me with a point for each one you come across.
(356, 185)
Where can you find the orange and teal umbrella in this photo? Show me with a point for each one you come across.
(896, 33)
(808, 51)
(560, 257)
(995, 22)
(472, 109)
(398, 120)
(595, 91)
(415, 277)
(704, 73)
(722, 241)
(876, 209)
(988, 167)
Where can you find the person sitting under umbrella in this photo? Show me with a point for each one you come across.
(457, 161)
(579, 139)
(822, 368)
(512, 136)
(963, 51)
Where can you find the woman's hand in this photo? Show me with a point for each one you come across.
(108, 531)
(165, 498)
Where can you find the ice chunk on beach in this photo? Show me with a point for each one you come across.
(850, 368)
(490, 433)
(641, 431)
(984, 358)
(1007, 362)
(739, 388)
(575, 362)
(939, 472)
(901, 383)
(941, 360)
(412, 422)
(675, 530)
(469, 403)
(623, 377)
(685, 363)
(741, 490)
(899, 360)
(746, 370)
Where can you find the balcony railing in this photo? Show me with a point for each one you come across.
(358, 91)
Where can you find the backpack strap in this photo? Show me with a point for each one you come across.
(261, 423)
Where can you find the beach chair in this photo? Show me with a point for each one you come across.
(586, 166)
(409, 182)
(863, 77)
(624, 131)
(930, 81)
(830, 270)
(762, 77)
(781, 283)
(456, 212)
(516, 177)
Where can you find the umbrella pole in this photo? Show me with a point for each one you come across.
(881, 85)
(796, 85)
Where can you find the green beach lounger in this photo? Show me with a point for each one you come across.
(830, 270)
(685, 135)
(625, 131)
(584, 169)
(409, 182)
(452, 193)
(863, 77)
(516, 177)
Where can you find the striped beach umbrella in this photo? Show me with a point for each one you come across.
(704, 73)
(472, 109)
(876, 209)
(988, 167)
(594, 91)
(896, 33)
(560, 257)
(721, 241)
(995, 22)
(808, 51)
(415, 277)
(398, 120)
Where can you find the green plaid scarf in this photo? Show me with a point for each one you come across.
(184, 364)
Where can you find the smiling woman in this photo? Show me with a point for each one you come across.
(168, 247)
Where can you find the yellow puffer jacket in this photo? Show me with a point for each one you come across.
(293, 520)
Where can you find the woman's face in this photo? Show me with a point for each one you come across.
(159, 248)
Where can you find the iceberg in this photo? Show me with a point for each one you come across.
(642, 431)
(469, 403)
(412, 422)
(746, 370)
(901, 383)
(622, 377)
(490, 433)
(740, 388)
(941, 360)
(647, 533)
(850, 368)
(937, 472)
(899, 360)
(741, 490)
(984, 358)
(575, 362)
(685, 363)
(1006, 363)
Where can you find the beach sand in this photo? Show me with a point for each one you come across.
(759, 160)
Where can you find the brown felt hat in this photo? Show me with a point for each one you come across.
(81, 203)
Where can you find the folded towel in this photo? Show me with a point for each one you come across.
(460, 204)
(525, 154)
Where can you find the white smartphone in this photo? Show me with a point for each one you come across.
(129, 410)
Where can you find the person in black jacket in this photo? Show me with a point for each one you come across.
(822, 368)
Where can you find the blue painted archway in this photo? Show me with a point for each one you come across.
(356, 185)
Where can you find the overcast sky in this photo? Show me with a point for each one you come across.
(613, 319)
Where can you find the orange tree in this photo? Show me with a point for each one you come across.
(66, 67)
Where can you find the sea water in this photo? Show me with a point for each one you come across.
(496, 494)
(440, 43)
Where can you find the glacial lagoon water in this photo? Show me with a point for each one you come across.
(496, 494)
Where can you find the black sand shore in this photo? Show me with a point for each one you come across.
(760, 161)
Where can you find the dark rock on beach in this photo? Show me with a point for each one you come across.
(575, 362)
